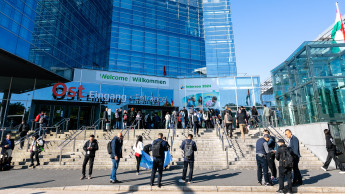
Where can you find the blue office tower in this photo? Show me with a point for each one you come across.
(157, 37)
(58, 35)
(219, 38)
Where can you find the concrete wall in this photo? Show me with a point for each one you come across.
(312, 136)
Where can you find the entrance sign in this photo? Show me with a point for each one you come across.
(71, 92)
(112, 77)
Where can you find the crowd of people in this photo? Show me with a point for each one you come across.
(268, 148)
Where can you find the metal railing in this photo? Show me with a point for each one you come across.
(125, 130)
(172, 138)
(73, 138)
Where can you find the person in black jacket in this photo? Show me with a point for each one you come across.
(331, 149)
(116, 154)
(293, 143)
(7, 146)
(284, 172)
(90, 147)
(23, 130)
(158, 158)
(188, 160)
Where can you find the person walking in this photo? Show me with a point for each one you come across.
(117, 119)
(285, 157)
(255, 115)
(189, 147)
(242, 121)
(124, 119)
(261, 160)
(90, 147)
(190, 117)
(332, 150)
(116, 154)
(182, 119)
(159, 146)
(223, 114)
(35, 150)
(206, 119)
(185, 116)
(138, 148)
(156, 121)
(228, 120)
(271, 155)
(167, 120)
(105, 119)
(293, 143)
(266, 115)
(23, 131)
(196, 121)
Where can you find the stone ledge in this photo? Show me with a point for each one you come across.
(172, 188)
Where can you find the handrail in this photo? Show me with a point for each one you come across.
(27, 136)
(71, 136)
(277, 133)
(76, 134)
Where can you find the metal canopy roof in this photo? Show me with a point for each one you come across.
(24, 74)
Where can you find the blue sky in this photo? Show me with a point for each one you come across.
(268, 31)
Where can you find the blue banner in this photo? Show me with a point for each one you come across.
(147, 161)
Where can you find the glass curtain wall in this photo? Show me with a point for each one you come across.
(57, 35)
(157, 37)
(310, 86)
(219, 38)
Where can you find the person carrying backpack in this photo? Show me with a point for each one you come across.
(36, 148)
(159, 146)
(196, 122)
(332, 153)
(189, 147)
(285, 157)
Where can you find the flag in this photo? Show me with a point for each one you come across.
(164, 72)
(248, 98)
(172, 102)
(147, 161)
(338, 32)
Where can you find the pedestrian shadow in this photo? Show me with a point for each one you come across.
(25, 185)
(315, 179)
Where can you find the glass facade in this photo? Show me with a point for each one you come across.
(219, 38)
(310, 86)
(57, 35)
(84, 108)
(154, 37)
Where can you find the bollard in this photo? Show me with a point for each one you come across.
(60, 156)
(227, 156)
(74, 145)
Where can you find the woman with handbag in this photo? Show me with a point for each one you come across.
(138, 148)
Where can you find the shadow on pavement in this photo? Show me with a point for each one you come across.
(24, 185)
(315, 179)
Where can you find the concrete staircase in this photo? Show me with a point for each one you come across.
(247, 157)
(209, 156)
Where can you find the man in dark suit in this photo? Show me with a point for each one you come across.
(293, 143)
(23, 130)
(90, 147)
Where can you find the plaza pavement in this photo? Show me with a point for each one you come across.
(68, 181)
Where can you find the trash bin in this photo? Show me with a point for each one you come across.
(107, 126)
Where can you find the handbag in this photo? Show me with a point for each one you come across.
(137, 154)
(246, 131)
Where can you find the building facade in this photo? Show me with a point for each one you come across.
(219, 39)
(310, 85)
(157, 37)
(57, 35)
